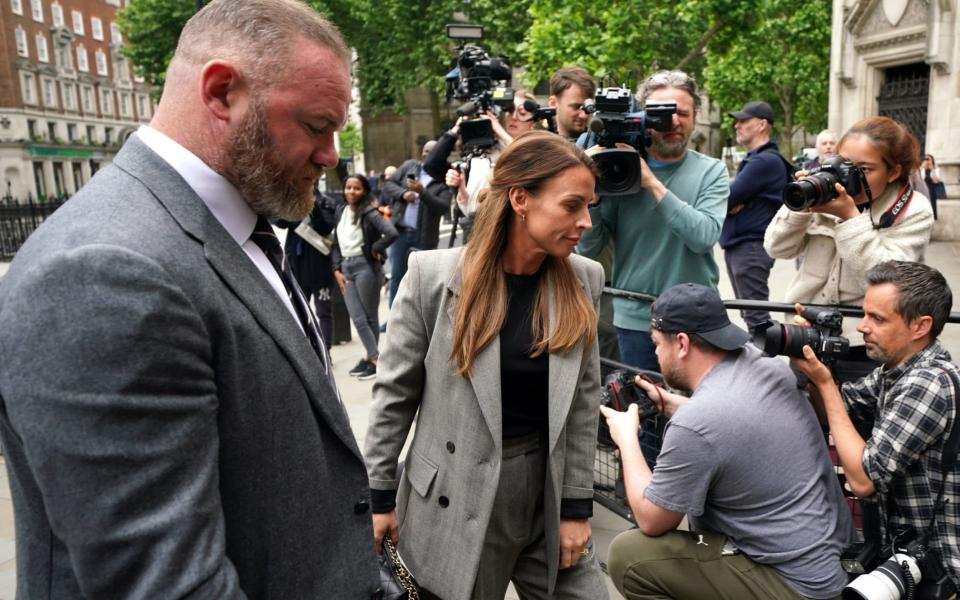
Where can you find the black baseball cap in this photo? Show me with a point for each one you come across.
(695, 308)
(757, 109)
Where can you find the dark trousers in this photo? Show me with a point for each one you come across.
(638, 350)
(399, 250)
(748, 266)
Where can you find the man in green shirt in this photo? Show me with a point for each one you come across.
(665, 234)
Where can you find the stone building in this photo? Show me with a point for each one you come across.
(68, 96)
(901, 58)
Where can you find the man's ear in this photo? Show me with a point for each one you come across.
(220, 83)
(552, 101)
(920, 327)
(683, 344)
(518, 199)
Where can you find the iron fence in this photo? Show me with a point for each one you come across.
(19, 218)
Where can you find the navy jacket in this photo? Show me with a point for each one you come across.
(758, 186)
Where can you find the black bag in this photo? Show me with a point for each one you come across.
(396, 582)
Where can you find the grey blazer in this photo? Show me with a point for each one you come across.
(169, 432)
(452, 468)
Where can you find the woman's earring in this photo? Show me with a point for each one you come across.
(523, 217)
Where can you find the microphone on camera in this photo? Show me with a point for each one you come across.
(530, 106)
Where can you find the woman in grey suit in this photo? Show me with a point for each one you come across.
(493, 348)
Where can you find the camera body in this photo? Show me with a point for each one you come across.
(819, 185)
(823, 336)
(483, 82)
(906, 568)
(617, 120)
(620, 391)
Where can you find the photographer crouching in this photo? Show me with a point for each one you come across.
(743, 457)
(909, 459)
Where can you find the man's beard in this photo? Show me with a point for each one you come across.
(881, 356)
(676, 378)
(269, 186)
(669, 150)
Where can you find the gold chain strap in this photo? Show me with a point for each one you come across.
(403, 575)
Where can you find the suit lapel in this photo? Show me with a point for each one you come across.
(486, 374)
(242, 277)
(564, 376)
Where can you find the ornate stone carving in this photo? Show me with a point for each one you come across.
(894, 10)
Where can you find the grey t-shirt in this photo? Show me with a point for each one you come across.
(745, 457)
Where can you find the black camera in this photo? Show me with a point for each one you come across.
(483, 81)
(907, 568)
(619, 391)
(819, 185)
(616, 119)
(782, 339)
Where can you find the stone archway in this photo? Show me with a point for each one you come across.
(904, 97)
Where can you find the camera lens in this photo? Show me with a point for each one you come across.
(787, 340)
(812, 190)
(886, 582)
(619, 171)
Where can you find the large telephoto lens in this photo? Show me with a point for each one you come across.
(786, 340)
(886, 582)
(812, 190)
(619, 171)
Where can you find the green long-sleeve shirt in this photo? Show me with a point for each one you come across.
(660, 245)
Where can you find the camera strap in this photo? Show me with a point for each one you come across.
(890, 216)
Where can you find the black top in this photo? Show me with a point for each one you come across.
(524, 381)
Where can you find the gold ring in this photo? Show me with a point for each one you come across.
(585, 552)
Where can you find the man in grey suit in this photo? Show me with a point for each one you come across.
(171, 426)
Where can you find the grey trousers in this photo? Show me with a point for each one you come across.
(748, 266)
(514, 548)
(363, 300)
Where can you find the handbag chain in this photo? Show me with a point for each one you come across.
(403, 575)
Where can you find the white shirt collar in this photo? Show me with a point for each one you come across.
(220, 196)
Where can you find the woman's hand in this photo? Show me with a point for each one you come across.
(341, 281)
(386, 524)
(843, 206)
(574, 537)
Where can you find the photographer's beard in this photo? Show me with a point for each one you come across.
(669, 145)
(676, 377)
(271, 187)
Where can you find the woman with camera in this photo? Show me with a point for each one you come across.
(360, 244)
(492, 347)
(839, 240)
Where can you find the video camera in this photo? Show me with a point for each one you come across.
(907, 568)
(819, 185)
(824, 336)
(616, 119)
(483, 81)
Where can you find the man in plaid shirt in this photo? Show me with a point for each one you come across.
(911, 401)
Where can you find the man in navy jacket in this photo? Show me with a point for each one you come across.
(755, 195)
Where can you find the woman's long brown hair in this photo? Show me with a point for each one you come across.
(528, 163)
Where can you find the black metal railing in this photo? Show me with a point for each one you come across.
(19, 218)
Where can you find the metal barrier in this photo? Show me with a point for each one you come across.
(18, 219)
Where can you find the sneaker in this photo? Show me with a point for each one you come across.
(370, 372)
(360, 368)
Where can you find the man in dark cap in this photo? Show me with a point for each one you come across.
(743, 458)
(755, 195)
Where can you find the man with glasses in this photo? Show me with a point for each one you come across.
(744, 459)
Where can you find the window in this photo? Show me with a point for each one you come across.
(69, 96)
(107, 135)
(115, 36)
(38, 180)
(58, 179)
(36, 7)
(56, 12)
(96, 28)
(71, 132)
(77, 22)
(120, 70)
(124, 104)
(101, 58)
(82, 59)
(87, 96)
(32, 127)
(29, 89)
(91, 135)
(49, 93)
(42, 54)
(64, 56)
(106, 102)
(142, 107)
(51, 130)
(22, 48)
(16, 6)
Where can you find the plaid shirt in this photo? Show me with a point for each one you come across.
(913, 408)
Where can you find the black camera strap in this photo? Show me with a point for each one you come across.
(890, 216)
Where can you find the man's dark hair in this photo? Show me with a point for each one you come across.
(568, 76)
(921, 291)
(696, 341)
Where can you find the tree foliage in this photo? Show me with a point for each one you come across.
(150, 31)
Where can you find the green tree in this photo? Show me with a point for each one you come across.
(782, 57)
(150, 31)
(351, 141)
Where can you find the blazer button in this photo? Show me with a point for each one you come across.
(451, 448)
(361, 507)
(443, 501)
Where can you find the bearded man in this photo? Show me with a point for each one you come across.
(664, 235)
(169, 416)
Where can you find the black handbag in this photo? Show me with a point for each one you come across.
(396, 582)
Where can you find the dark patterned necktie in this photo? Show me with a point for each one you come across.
(264, 237)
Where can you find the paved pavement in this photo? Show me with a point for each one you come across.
(356, 395)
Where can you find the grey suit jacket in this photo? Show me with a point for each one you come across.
(169, 431)
(452, 468)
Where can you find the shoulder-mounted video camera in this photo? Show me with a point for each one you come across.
(823, 336)
(615, 119)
